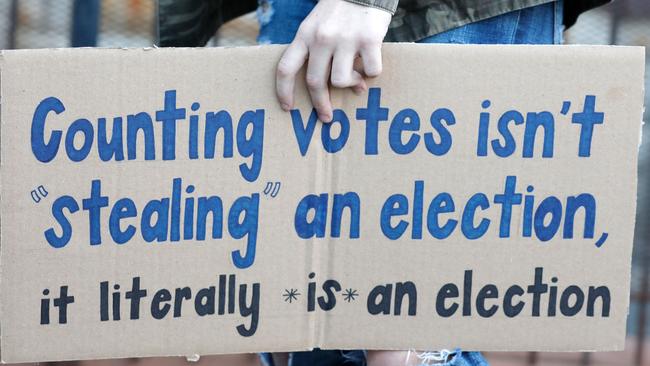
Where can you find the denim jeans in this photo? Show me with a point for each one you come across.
(279, 21)
(319, 357)
(542, 24)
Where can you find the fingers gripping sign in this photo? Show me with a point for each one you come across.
(329, 41)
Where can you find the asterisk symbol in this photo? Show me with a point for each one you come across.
(290, 295)
(350, 295)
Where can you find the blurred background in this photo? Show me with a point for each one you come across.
(132, 23)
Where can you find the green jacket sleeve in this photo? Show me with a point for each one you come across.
(388, 5)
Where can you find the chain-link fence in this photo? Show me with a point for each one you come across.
(51, 23)
(132, 23)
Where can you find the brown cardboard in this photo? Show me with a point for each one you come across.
(438, 80)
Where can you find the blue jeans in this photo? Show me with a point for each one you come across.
(358, 358)
(542, 24)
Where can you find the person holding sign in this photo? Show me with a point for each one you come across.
(339, 43)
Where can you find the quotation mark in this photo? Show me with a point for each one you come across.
(39, 193)
(565, 107)
(272, 189)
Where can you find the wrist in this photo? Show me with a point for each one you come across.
(387, 5)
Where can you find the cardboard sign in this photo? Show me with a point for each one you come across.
(159, 202)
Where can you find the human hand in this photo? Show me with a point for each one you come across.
(329, 40)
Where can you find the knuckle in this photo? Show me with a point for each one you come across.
(368, 41)
(340, 81)
(314, 82)
(305, 30)
(373, 73)
(373, 69)
(325, 35)
(346, 37)
(284, 70)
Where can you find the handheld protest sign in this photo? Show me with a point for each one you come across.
(159, 202)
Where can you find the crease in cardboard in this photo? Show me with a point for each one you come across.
(327, 252)
(314, 266)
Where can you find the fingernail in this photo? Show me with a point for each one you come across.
(285, 106)
(325, 117)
